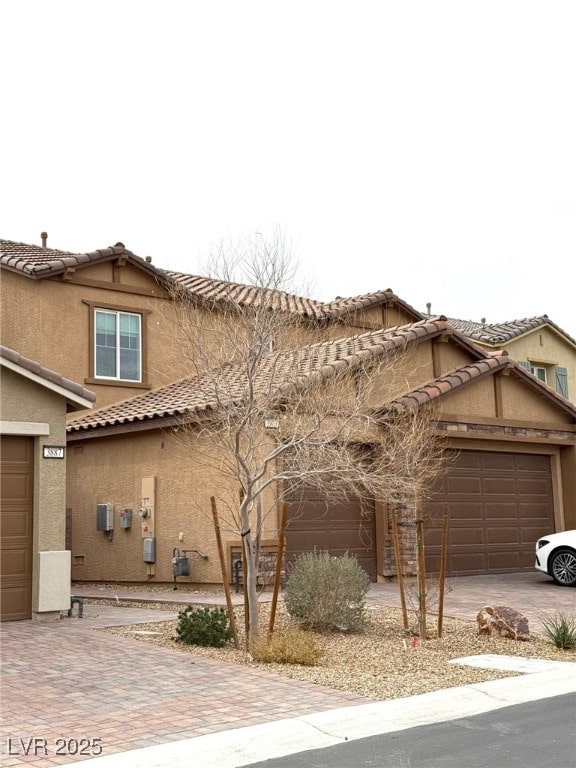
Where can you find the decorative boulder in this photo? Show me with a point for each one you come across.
(503, 621)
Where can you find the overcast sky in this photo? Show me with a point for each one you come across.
(428, 147)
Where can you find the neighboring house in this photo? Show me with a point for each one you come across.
(538, 344)
(108, 319)
(34, 556)
(513, 479)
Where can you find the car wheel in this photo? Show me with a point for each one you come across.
(563, 567)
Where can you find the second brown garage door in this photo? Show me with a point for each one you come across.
(337, 527)
(499, 504)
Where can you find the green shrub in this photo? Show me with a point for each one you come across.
(327, 593)
(561, 630)
(203, 626)
(287, 646)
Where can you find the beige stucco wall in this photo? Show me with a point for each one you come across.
(48, 321)
(520, 401)
(111, 471)
(22, 400)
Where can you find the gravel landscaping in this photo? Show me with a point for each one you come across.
(384, 662)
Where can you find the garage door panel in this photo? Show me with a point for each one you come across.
(500, 510)
(504, 560)
(534, 511)
(16, 602)
(527, 462)
(534, 486)
(469, 536)
(469, 459)
(502, 462)
(502, 535)
(469, 562)
(16, 487)
(465, 511)
(16, 563)
(530, 534)
(499, 486)
(464, 485)
(515, 507)
(15, 524)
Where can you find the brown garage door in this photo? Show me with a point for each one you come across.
(332, 526)
(17, 483)
(499, 504)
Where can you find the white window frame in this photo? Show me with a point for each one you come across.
(117, 314)
(535, 369)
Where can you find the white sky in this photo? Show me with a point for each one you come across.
(428, 147)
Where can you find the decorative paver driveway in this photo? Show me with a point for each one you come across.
(65, 685)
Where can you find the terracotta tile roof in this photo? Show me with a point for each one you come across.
(194, 396)
(37, 262)
(46, 373)
(500, 333)
(248, 295)
(460, 377)
(450, 382)
(343, 306)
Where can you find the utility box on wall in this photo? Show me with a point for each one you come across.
(125, 518)
(149, 550)
(104, 517)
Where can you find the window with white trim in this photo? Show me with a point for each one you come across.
(539, 371)
(117, 345)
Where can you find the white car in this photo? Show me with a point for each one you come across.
(556, 556)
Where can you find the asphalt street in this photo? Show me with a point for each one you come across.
(538, 734)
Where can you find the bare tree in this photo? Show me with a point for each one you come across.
(271, 407)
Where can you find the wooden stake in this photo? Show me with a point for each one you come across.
(229, 605)
(278, 574)
(399, 567)
(421, 579)
(442, 576)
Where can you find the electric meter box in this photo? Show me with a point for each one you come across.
(104, 517)
(149, 550)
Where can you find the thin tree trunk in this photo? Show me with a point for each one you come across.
(250, 575)
(278, 574)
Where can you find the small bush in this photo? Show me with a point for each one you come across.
(327, 593)
(287, 646)
(203, 626)
(561, 630)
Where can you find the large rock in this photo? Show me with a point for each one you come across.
(503, 621)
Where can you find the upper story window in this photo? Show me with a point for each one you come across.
(117, 342)
(118, 345)
(555, 376)
(540, 372)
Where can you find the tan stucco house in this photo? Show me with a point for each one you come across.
(106, 320)
(34, 560)
(539, 345)
(512, 481)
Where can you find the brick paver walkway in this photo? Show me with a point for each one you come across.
(63, 682)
